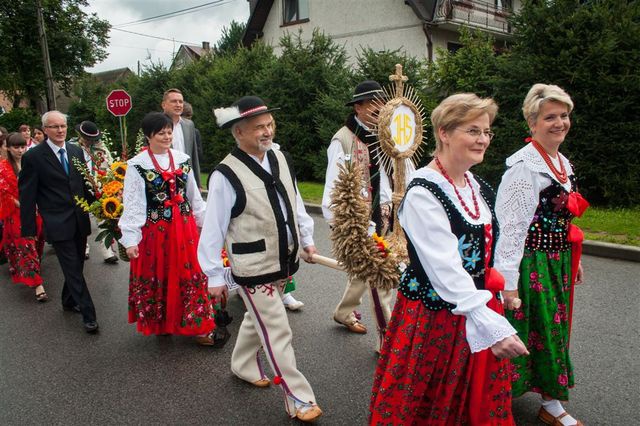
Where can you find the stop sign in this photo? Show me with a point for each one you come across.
(119, 102)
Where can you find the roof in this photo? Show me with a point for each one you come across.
(111, 76)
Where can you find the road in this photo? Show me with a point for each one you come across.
(52, 372)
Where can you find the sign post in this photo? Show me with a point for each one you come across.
(119, 104)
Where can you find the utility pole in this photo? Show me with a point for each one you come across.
(51, 98)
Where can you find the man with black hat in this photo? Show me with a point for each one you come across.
(352, 142)
(255, 210)
(95, 151)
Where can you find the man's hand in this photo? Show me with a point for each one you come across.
(510, 347)
(219, 292)
(132, 252)
(307, 254)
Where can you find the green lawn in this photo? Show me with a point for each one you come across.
(620, 226)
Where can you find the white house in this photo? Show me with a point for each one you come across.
(417, 27)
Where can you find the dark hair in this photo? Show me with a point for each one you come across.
(187, 110)
(14, 139)
(154, 122)
(38, 128)
(3, 135)
(23, 127)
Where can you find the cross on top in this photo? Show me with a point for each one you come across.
(398, 80)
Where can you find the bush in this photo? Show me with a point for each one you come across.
(17, 116)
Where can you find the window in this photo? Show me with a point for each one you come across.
(295, 11)
(453, 47)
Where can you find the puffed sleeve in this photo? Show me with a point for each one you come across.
(516, 203)
(195, 198)
(134, 215)
(335, 157)
(425, 221)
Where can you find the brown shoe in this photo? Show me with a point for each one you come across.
(205, 340)
(310, 415)
(355, 327)
(548, 419)
(262, 383)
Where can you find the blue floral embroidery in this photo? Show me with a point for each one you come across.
(462, 246)
(471, 261)
(433, 295)
(413, 285)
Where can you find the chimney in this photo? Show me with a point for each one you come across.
(206, 46)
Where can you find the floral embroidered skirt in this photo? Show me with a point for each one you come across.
(23, 254)
(427, 375)
(167, 289)
(543, 323)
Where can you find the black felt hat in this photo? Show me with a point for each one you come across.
(89, 131)
(245, 107)
(366, 90)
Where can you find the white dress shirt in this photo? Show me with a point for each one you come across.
(134, 197)
(57, 148)
(425, 221)
(220, 201)
(178, 137)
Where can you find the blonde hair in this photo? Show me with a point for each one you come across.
(540, 94)
(458, 109)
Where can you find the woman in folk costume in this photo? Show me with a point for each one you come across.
(445, 356)
(539, 251)
(23, 254)
(167, 289)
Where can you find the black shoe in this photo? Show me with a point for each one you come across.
(91, 326)
(111, 260)
(75, 309)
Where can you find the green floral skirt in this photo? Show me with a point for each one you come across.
(542, 323)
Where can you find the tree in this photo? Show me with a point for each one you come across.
(76, 40)
(231, 39)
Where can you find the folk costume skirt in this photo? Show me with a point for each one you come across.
(427, 375)
(23, 254)
(543, 323)
(167, 289)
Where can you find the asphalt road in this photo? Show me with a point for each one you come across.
(52, 372)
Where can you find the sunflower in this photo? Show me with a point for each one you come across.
(112, 188)
(119, 168)
(111, 207)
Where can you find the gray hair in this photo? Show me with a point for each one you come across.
(540, 94)
(47, 114)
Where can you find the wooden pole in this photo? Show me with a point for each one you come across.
(51, 97)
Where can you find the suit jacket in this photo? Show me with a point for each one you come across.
(44, 184)
(191, 147)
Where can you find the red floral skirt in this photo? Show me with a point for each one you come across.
(167, 289)
(427, 375)
(23, 254)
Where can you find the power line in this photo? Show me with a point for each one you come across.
(156, 37)
(175, 13)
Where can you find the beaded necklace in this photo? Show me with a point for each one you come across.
(474, 216)
(156, 165)
(561, 174)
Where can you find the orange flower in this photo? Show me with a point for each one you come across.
(112, 188)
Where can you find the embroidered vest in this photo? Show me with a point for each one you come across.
(415, 284)
(256, 241)
(157, 193)
(549, 227)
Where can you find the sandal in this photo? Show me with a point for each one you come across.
(42, 297)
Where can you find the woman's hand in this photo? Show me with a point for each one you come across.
(580, 274)
(219, 292)
(510, 347)
(511, 299)
(132, 252)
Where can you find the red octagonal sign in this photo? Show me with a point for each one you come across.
(119, 102)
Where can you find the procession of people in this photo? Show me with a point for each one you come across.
(483, 310)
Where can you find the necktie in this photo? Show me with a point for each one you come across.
(63, 160)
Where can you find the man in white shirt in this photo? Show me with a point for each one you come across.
(255, 210)
(184, 131)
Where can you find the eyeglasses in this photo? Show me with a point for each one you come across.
(476, 133)
(57, 127)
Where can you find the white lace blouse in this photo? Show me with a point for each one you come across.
(426, 223)
(518, 196)
(134, 199)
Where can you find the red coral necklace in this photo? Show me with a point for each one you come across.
(171, 167)
(472, 215)
(561, 174)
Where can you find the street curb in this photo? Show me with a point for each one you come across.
(592, 248)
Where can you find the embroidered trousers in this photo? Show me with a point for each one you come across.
(266, 325)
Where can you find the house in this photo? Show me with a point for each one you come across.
(188, 54)
(417, 27)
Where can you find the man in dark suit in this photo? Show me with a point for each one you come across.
(184, 131)
(49, 181)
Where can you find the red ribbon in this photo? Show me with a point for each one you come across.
(576, 204)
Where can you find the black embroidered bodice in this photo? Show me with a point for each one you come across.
(415, 284)
(159, 205)
(548, 229)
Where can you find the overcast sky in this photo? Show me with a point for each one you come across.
(126, 49)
